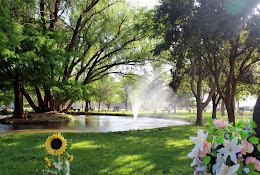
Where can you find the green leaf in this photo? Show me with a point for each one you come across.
(253, 124)
(243, 134)
(207, 159)
(252, 131)
(214, 154)
(231, 123)
(251, 166)
(253, 140)
(253, 173)
(210, 121)
(211, 129)
(258, 147)
(220, 132)
(243, 124)
(209, 138)
(219, 139)
(239, 171)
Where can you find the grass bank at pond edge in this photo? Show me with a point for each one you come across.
(154, 151)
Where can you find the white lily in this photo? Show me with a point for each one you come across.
(203, 169)
(194, 154)
(228, 170)
(217, 166)
(230, 149)
(200, 139)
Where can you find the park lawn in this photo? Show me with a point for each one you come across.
(206, 115)
(153, 152)
(184, 114)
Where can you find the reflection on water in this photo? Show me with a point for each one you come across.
(92, 123)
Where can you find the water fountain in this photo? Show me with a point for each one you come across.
(136, 105)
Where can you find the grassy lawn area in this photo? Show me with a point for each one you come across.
(155, 151)
(184, 114)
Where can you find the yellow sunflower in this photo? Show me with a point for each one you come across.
(56, 144)
(71, 158)
(48, 161)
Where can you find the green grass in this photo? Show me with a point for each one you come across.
(154, 152)
(184, 114)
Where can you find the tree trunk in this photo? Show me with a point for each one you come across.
(199, 115)
(68, 107)
(231, 114)
(87, 106)
(42, 105)
(126, 100)
(198, 96)
(108, 106)
(214, 107)
(30, 100)
(48, 99)
(98, 106)
(222, 108)
(18, 101)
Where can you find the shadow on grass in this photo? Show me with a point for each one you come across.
(155, 151)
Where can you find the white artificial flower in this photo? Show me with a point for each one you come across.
(67, 166)
(216, 144)
(194, 154)
(246, 170)
(57, 165)
(230, 149)
(200, 139)
(204, 169)
(217, 166)
(228, 170)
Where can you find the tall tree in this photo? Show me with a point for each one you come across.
(93, 36)
(231, 48)
(180, 39)
(219, 34)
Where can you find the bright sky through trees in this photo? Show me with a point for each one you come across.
(144, 3)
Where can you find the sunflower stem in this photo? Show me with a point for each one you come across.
(59, 158)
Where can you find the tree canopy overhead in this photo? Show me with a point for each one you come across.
(64, 42)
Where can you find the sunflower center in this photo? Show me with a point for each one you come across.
(56, 144)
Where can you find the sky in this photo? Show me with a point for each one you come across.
(250, 101)
(144, 3)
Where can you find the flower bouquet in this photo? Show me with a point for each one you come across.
(226, 150)
(56, 146)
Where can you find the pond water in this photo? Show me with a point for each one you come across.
(94, 123)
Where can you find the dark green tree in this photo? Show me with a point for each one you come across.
(70, 41)
(221, 36)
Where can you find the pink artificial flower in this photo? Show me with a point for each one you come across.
(219, 123)
(206, 149)
(248, 147)
(255, 161)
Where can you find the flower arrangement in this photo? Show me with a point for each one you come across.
(226, 150)
(56, 146)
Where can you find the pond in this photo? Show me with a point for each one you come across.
(94, 123)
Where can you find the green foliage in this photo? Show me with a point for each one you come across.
(253, 140)
(207, 159)
(243, 134)
(219, 139)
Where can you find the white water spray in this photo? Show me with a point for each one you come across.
(136, 105)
